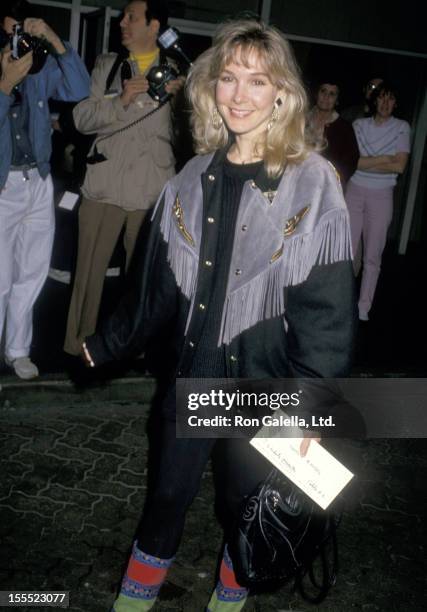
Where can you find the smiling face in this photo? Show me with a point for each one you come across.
(385, 105)
(138, 36)
(245, 95)
(327, 97)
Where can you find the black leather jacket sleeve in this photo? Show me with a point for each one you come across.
(321, 315)
(150, 304)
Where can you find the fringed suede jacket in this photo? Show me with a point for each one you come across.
(289, 307)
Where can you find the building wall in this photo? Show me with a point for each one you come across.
(392, 24)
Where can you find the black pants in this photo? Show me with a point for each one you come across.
(181, 465)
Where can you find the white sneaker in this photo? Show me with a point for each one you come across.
(24, 367)
(363, 316)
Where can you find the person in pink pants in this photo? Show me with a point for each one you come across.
(384, 145)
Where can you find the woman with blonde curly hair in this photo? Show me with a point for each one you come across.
(284, 141)
(247, 270)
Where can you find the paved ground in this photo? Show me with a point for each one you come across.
(72, 482)
(73, 477)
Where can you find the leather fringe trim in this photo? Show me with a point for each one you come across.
(182, 259)
(264, 296)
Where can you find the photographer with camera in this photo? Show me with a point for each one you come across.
(131, 158)
(35, 66)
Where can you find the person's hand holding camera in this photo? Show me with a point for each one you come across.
(172, 87)
(132, 88)
(138, 84)
(40, 29)
(13, 71)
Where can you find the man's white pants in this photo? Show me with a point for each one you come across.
(27, 226)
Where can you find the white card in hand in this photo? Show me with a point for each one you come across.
(68, 200)
(318, 474)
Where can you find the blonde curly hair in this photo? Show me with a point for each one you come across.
(285, 141)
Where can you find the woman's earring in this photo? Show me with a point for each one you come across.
(274, 116)
(216, 119)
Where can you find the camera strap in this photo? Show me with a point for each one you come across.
(97, 157)
(114, 68)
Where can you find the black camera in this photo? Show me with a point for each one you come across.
(157, 79)
(22, 43)
(160, 75)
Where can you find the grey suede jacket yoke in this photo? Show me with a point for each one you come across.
(307, 330)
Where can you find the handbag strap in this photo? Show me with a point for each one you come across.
(329, 568)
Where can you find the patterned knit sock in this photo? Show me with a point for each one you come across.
(141, 584)
(228, 596)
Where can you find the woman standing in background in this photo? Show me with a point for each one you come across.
(384, 145)
(328, 129)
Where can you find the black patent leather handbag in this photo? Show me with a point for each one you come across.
(283, 535)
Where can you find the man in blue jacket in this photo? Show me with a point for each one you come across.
(26, 193)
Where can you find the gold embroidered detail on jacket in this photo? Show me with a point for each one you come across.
(335, 171)
(289, 229)
(179, 216)
(291, 224)
(277, 254)
(270, 195)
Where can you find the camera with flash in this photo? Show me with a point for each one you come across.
(159, 76)
(22, 43)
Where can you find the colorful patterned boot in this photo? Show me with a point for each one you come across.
(141, 584)
(228, 596)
